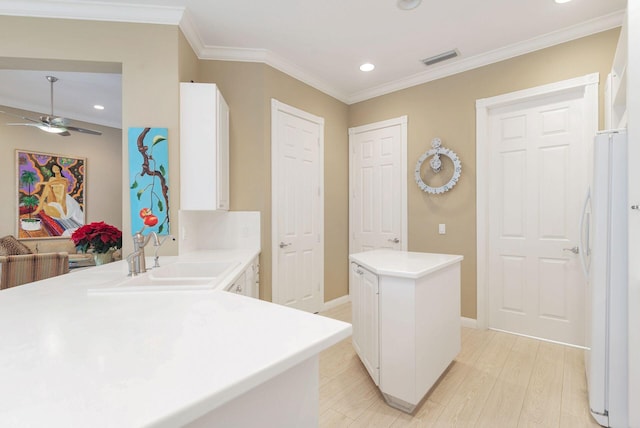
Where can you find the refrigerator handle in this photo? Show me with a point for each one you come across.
(584, 249)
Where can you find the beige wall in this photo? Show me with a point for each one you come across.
(446, 108)
(148, 55)
(248, 89)
(104, 188)
(154, 58)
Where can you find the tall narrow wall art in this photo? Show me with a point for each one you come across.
(149, 180)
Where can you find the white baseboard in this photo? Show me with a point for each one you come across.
(469, 322)
(336, 302)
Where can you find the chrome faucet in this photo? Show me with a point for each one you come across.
(136, 260)
(158, 244)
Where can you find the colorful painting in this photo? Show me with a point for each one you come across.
(149, 180)
(51, 195)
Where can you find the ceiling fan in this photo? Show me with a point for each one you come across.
(52, 124)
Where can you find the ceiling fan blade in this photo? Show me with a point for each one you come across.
(23, 124)
(51, 129)
(83, 130)
(21, 117)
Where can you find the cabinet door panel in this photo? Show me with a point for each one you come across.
(204, 148)
(364, 289)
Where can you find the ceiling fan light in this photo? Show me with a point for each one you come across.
(51, 129)
(408, 4)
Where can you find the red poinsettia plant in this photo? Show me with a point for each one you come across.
(98, 236)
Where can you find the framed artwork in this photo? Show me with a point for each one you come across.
(50, 195)
(149, 180)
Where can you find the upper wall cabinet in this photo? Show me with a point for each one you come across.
(204, 148)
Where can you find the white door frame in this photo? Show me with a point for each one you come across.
(483, 109)
(275, 107)
(402, 121)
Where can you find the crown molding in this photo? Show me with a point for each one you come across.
(221, 53)
(122, 12)
(94, 11)
(584, 29)
(190, 32)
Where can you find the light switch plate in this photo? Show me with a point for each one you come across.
(442, 228)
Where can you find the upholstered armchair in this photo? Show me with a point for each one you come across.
(19, 266)
(18, 270)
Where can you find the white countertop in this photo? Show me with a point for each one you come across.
(403, 264)
(69, 358)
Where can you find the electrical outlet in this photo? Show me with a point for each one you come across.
(442, 228)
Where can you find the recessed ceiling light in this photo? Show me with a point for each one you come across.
(562, 1)
(367, 66)
(408, 4)
(98, 107)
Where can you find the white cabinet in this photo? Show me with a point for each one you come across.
(253, 279)
(248, 283)
(406, 320)
(204, 148)
(364, 297)
(239, 285)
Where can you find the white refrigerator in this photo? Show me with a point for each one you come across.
(604, 251)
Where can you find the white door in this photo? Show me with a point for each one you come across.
(364, 297)
(378, 186)
(538, 177)
(297, 208)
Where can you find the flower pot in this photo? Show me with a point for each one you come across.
(103, 258)
(30, 224)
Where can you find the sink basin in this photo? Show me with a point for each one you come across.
(192, 270)
(179, 276)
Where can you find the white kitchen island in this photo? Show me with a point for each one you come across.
(406, 320)
(74, 358)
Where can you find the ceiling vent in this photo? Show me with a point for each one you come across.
(441, 57)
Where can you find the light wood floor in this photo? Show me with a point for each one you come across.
(498, 380)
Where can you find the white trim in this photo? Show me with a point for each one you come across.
(221, 53)
(584, 29)
(403, 122)
(483, 108)
(336, 302)
(277, 106)
(542, 339)
(468, 322)
(94, 11)
(123, 12)
(539, 91)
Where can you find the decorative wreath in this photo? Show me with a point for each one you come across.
(436, 167)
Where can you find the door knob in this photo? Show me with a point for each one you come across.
(574, 250)
(394, 240)
(282, 244)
